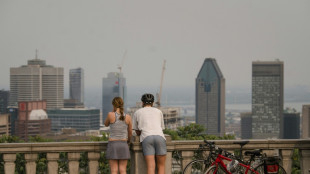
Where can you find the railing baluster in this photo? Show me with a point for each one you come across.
(187, 156)
(93, 164)
(287, 160)
(52, 163)
(74, 162)
(31, 162)
(305, 161)
(9, 163)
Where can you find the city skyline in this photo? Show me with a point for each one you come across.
(95, 35)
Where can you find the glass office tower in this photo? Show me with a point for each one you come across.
(77, 84)
(114, 85)
(210, 98)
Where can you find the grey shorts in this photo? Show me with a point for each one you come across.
(154, 145)
(117, 150)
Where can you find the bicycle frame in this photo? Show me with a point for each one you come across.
(219, 162)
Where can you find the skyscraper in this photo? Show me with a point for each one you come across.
(305, 121)
(114, 85)
(77, 84)
(246, 125)
(4, 101)
(291, 125)
(210, 98)
(267, 99)
(37, 81)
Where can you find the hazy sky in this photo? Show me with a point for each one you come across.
(94, 35)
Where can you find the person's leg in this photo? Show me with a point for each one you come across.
(160, 153)
(150, 163)
(122, 164)
(149, 153)
(160, 163)
(113, 166)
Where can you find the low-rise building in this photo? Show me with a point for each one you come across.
(171, 115)
(81, 119)
(5, 125)
(32, 119)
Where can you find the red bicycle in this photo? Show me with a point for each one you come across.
(234, 165)
(214, 162)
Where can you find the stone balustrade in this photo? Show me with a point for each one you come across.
(283, 148)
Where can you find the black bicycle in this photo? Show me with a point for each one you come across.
(200, 165)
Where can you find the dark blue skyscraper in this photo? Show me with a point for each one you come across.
(112, 86)
(4, 101)
(246, 125)
(77, 84)
(291, 125)
(210, 98)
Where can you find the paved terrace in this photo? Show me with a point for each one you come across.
(284, 148)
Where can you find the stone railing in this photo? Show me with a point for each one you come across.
(52, 150)
(283, 148)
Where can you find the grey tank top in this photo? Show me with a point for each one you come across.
(118, 129)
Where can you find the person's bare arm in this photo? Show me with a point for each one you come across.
(107, 120)
(138, 132)
(129, 129)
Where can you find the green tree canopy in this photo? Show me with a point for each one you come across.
(193, 131)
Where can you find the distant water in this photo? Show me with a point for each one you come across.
(189, 109)
(247, 107)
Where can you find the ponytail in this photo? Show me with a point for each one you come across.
(117, 102)
(122, 117)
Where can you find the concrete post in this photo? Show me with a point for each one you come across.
(93, 164)
(52, 163)
(74, 162)
(31, 163)
(137, 162)
(9, 163)
(270, 152)
(187, 156)
(287, 160)
(305, 161)
(170, 148)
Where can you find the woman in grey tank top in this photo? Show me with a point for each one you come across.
(120, 134)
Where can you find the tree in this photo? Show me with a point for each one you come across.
(193, 131)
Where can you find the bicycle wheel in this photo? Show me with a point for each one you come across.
(260, 170)
(196, 167)
(212, 170)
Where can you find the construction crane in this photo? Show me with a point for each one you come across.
(161, 85)
(120, 66)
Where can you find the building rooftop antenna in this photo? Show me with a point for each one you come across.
(120, 66)
(161, 84)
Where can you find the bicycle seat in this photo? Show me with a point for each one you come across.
(241, 143)
(253, 152)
